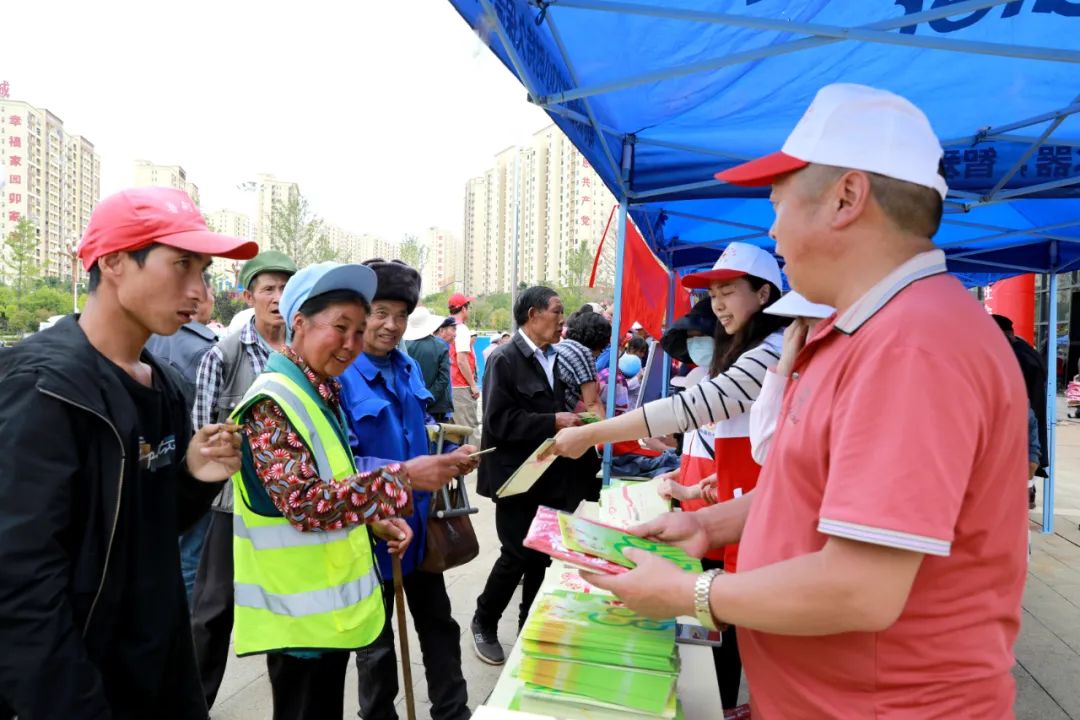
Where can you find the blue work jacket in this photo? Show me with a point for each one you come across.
(390, 421)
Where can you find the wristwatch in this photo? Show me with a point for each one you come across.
(702, 609)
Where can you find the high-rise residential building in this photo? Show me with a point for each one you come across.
(271, 191)
(48, 176)
(226, 273)
(475, 232)
(444, 262)
(148, 174)
(230, 222)
(358, 247)
(547, 196)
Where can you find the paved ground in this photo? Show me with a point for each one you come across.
(1048, 651)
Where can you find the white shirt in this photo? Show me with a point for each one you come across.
(724, 399)
(546, 357)
(462, 338)
(764, 414)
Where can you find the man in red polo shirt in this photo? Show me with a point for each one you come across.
(882, 555)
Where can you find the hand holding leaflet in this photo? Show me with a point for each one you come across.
(529, 473)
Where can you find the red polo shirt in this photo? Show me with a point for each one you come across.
(903, 425)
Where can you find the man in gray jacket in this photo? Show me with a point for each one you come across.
(225, 374)
(184, 350)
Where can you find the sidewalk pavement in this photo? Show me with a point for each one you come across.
(1047, 653)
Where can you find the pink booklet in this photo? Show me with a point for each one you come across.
(545, 536)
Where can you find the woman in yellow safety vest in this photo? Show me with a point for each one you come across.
(307, 590)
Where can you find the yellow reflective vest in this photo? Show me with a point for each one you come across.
(316, 590)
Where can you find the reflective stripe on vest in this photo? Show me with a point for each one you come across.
(294, 589)
(312, 602)
(275, 537)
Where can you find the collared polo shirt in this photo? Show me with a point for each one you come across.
(903, 424)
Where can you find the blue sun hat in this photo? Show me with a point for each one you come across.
(321, 278)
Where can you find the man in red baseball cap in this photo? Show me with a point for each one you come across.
(463, 379)
(99, 473)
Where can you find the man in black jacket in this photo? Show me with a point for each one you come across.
(523, 397)
(99, 471)
(432, 354)
(1033, 368)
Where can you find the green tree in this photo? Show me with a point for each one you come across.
(437, 302)
(295, 231)
(578, 266)
(500, 320)
(412, 253)
(21, 257)
(226, 305)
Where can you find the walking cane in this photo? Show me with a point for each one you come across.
(403, 638)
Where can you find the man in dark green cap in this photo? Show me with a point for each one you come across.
(225, 374)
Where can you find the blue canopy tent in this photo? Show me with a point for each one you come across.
(659, 95)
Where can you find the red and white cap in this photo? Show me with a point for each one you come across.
(738, 260)
(133, 219)
(857, 127)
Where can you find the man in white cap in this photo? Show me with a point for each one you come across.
(882, 565)
(433, 357)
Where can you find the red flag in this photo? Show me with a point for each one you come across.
(645, 284)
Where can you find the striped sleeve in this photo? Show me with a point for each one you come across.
(720, 398)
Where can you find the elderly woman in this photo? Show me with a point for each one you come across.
(307, 587)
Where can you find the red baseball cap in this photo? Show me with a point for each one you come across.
(133, 219)
(458, 300)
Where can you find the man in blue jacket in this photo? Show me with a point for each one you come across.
(385, 401)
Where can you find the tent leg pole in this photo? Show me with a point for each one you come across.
(670, 318)
(616, 321)
(1051, 393)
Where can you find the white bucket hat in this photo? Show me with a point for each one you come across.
(422, 322)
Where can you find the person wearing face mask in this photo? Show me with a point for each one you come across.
(744, 281)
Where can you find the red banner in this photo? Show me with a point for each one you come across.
(1015, 299)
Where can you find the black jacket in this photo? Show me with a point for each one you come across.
(1033, 368)
(68, 444)
(433, 357)
(519, 414)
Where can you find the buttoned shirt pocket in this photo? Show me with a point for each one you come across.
(370, 414)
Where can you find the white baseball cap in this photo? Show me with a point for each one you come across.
(422, 322)
(738, 260)
(794, 305)
(857, 127)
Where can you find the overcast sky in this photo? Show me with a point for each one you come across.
(379, 110)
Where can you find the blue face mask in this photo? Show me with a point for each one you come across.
(701, 350)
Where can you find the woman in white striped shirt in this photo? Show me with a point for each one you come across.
(744, 281)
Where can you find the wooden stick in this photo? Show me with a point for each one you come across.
(403, 639)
